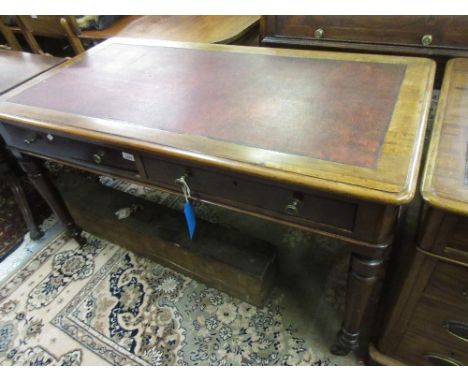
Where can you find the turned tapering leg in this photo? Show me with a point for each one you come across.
(14, 183)
(36, 174)
(363, 275)
(20, 197)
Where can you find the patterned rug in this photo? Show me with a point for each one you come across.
(103, 305)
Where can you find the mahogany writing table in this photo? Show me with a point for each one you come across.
(327, 142)
(16, 68)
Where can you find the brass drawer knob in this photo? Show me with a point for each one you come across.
(319, 33)
(293, 207)
(98, 157)
(426, 39)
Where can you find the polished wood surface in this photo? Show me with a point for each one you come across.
(445, 31)
(436, 37)
(111, 31)
(375, 156)
(18, 67)
(207, 29)
(428, 323)
(445, 182)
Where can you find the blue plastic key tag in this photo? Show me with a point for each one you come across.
(190, 218)
(189, 212)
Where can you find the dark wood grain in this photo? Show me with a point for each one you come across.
(446, 31)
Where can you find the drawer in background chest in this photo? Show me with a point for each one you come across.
(457, 241)
(446, 324)
(422, 31)
(418, 350)
(90, 155)
(449, 284)
(251, 195)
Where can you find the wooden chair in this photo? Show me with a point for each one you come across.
(12, 42)
(50, 26)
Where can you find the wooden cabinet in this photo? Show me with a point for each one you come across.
(437, 37)
(447, 32)
(428, 324)
(420, 34)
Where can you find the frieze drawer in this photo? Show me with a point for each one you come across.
(241, 192)
(51, 145)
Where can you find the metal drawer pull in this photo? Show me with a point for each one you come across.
(426, 40)
(293, 207)
(441, 360)
(98, 157)
(457, 329)
(465, 293)
(31, 139)
(319, 33)
(182, 182)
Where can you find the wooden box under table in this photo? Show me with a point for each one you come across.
(327, 142)
(429, 322)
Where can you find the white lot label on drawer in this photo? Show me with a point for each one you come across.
(128, 156)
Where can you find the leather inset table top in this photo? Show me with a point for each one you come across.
(308, 114)
(326, 109)
(18, 67)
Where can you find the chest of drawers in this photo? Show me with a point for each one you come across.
(429, 322)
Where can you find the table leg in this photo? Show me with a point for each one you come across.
(18, 193)
(36, 174)
(363, 275)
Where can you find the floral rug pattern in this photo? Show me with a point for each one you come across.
(103, 305)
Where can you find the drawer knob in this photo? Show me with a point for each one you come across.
(31, 139)
(441, 360)
(457, 329)
(465, 293)
(182, 182)
(319, 33)
(426, 39)
(293, 207)
(98, 157)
